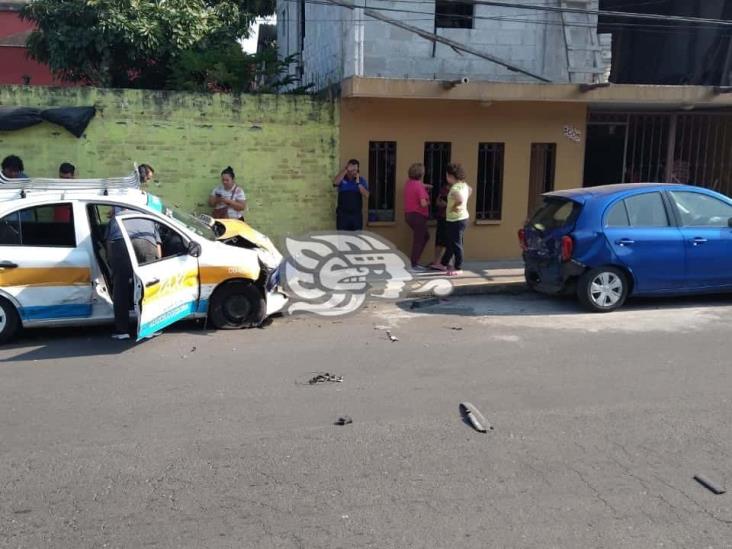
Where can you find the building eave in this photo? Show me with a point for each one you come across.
(612, 96)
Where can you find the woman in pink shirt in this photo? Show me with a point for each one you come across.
(416, 204)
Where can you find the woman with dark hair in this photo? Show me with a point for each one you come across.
(456, 218)
(228, 199)
(416, 203)
(146, 173)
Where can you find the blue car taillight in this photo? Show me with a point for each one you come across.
(567, 247)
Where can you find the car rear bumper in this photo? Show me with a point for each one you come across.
(551, 276)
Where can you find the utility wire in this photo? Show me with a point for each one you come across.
(556, 9)
(604, 13)
(646, 27)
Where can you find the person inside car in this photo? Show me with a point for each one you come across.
(146, 243)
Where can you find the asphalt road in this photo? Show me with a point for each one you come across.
(215, 439)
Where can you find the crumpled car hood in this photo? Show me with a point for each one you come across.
(269, 254)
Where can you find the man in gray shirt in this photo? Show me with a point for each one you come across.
(147, 246)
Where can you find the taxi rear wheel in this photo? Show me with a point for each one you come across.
(9, 321)
(237, 305)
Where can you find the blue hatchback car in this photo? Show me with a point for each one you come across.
(610, 242)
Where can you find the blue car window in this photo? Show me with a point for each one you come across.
(701, 210)
(555, 213)
(646, 210)
(617, 216)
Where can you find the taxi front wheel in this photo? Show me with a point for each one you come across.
(9, 321)
(237, 305)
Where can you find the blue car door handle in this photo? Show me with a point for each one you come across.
(624, 242)
(698, 240)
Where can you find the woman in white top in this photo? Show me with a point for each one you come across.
(228, 199)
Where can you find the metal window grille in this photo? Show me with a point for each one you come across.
(453, 15)
(436, 158)
(541, 172)
(693, 148)
(382, 184)
(489, 194)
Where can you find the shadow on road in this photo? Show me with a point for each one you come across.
(56, 343)
(539, 305)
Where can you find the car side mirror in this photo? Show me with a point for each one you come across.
(194, 249)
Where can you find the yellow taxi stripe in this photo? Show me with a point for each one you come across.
(170, 285)
(44, 276)
(214, 275)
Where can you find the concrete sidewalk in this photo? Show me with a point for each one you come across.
(480, 277)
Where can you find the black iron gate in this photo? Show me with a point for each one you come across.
(693, 148)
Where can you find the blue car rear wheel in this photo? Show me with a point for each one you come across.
(603, 289)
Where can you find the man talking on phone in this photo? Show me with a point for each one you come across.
(352, 189)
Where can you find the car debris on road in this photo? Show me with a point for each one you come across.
(325, 377)
(472, 416)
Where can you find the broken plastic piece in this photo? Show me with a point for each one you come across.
(391, 337)
(472, 415)
(713, 487)
(344, 420)
(325, 377)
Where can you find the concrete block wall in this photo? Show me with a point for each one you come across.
(533, 40)
(518, 37)
(283, 148)
(327, 45)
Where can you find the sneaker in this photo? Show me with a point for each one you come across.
(121, 336)
(418, 269)
(437, 266)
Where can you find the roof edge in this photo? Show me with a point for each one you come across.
(613, 94)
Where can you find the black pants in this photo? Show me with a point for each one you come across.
(455, 231)
(349, 221)
(420, 235)
(122, 291)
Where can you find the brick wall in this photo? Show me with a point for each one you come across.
(283, 148)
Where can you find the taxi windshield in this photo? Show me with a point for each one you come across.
(191, 222)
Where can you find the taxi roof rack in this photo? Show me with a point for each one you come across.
(131, 181)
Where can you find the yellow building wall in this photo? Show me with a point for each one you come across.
(466, 124)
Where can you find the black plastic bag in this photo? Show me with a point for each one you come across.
(74, 119)
(16, 118)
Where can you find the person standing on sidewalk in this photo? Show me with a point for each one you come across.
(352, 189)
(441, 229)
(416, 212)
(457, 218)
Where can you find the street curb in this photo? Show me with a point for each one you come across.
(502, 288)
